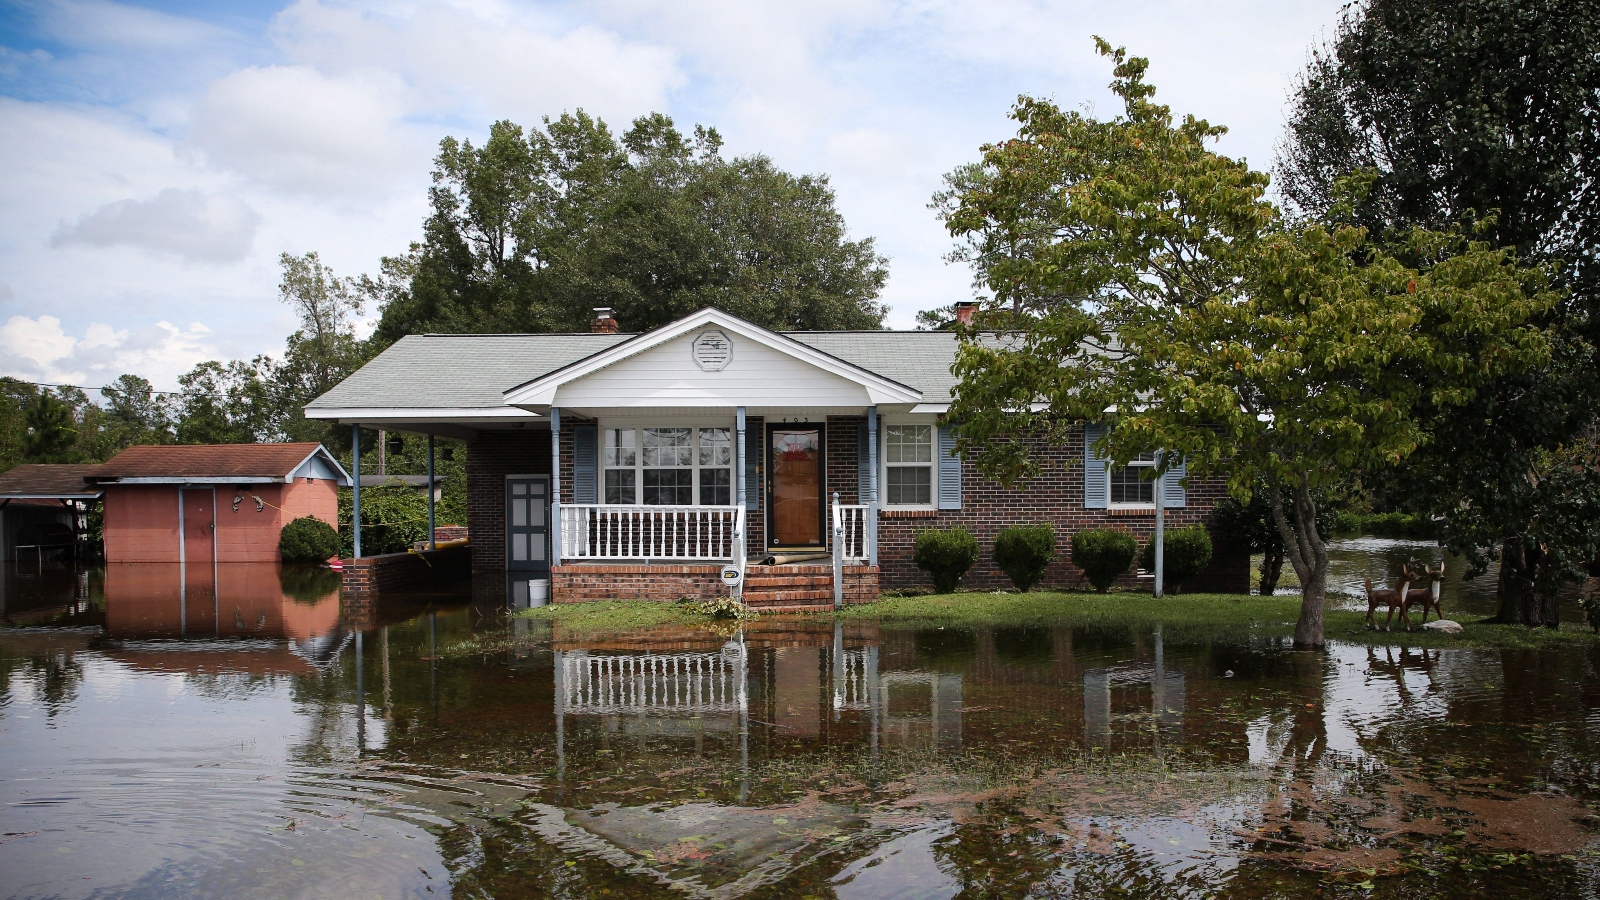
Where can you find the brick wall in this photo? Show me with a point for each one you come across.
(404, 571)
(490, 458)
(598, 581)
(1055, 496)
(844, 470)
(755, 443)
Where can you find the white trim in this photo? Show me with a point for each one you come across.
(884, 422)
(374, 413)
(94, 496)
(202, 479)
(542, 391)
(1155, 485)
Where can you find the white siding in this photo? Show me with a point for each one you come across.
(666, 376)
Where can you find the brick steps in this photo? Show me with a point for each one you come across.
(796, 588)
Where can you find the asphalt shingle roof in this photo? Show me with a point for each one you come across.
(48, 480)
(206, 461)
(471, 371)
(459, 371)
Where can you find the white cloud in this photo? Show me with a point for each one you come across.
(294, 127)
(188, 224)
(41, 350)
(483, 61)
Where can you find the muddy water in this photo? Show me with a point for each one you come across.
(258, 740)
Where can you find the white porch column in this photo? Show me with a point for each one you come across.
(555, 486)
(738, 470)
(872, 486)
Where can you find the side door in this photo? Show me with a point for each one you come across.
(528, 524)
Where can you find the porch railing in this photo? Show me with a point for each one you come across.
(686, 533)
(613, 683)
(850, 531)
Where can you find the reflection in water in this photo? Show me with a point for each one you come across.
(426, 746)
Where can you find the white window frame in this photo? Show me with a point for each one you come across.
(883, 463)
(1137, 463)
(638, 425)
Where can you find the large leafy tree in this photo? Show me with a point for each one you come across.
(535, 228)
(225, 403)
(1462, 109)
(51, 429)
(323, 350)
(1143, 273)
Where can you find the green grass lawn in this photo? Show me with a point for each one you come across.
(1199, 614)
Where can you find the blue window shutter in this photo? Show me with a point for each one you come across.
(1177, 497)
(585, 465)
(863, 465)
(949, 470)
(753, 488)
(1094, 469)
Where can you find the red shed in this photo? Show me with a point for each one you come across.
(227, 501)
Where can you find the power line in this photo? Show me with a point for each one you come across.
(87, 389)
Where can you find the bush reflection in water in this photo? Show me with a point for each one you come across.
(236, 733)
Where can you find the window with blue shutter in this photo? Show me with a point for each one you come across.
(863, 465)
(1094, 469)
(753, 486)
(1177, 497)
(949, 470)
(585, 465)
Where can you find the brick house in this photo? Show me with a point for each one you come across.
(712, 441)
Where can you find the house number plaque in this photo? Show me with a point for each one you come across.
(712, 351)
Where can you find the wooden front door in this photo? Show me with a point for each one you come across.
(796, 463)
(528, 524)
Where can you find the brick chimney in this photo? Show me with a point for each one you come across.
(964, 311)
(604, 322)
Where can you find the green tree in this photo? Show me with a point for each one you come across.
(322, 351)
(51, 429)
(224, 403)
(135, 413)
(1157, 281)
(534, 229)
(1461, 109)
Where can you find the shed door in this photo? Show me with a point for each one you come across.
(199, 560)
(528, 523)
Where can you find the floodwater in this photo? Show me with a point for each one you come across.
(249, 737)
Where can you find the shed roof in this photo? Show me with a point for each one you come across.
(211, 462)
(49, 481)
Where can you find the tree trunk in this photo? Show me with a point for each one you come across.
(1308, 554)
(1520, 604)
(1271, 568)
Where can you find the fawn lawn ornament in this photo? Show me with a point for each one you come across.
(1393, 599)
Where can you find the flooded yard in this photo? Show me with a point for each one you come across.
(252, 738)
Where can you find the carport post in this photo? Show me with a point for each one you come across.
(355, 488)
(432, 544)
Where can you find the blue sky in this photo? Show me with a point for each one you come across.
(159, 156)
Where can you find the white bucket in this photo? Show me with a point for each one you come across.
(539, 592)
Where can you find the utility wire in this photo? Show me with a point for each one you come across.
(87, 389)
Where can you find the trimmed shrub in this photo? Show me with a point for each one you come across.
(1103, 554)
(1023, 552)
(1188, 554)
(308, 539)
(946, 555)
